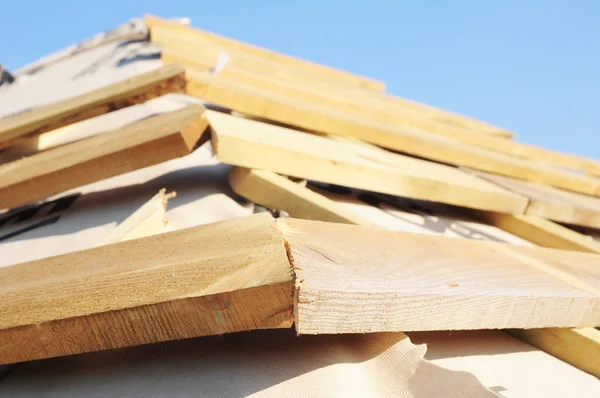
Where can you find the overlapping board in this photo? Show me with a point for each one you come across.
(249, 143)
(144, 143)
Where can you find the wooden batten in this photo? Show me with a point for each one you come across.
(144, 143)
(106, 99)
(252, 144)
(307, 116)
(228, 44)
(212, 279)
(552, 203)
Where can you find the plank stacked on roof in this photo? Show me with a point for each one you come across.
(144, 143)
(301, 120)
(118, 95)
(213, 279)
(307, 116)
(254, 144)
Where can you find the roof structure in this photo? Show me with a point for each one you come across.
(186, 214)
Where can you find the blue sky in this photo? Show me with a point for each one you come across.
(532, 67)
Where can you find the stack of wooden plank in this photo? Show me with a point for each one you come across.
(345, 160)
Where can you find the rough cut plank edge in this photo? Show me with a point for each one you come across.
(134, 90)
(141, 144)
(264, 307)
(283, 59)
(260, 307)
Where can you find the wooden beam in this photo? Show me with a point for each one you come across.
(211, 279)
(542, 232)
(304, 115)
(302, 88)
(119, 95)
(129, 148)
(227, 44)
(278, 192)
(202, 54)
(354, 279)
(247, 143)
(550, 202)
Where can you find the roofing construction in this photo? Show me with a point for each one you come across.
(313, 234)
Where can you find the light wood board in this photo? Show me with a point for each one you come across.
(303, 88)
(542, 232)
(212, 279)
(579, 347)
(305, 115)
(203, 54)
(227, 44)
(552, 203)
(354, 279)
(144, 143)
(248, 143)
(118, 95)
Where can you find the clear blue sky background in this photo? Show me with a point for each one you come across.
(532, 67)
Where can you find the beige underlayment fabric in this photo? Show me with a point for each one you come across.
(259, 364)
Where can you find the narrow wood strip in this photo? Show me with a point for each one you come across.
(552, 203)
(579, 347)
(542, 232)
(278, 192)
(196, 51)
(252, 144)
(125, 93)
(304, 115)
(354, 279)
(129, 148)
(212, 279)
(228, 44)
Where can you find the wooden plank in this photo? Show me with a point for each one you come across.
(278, 192)
(227, 44)
(324, 202)
(203, 54)
(125, 93)
(579, 347)
(247, 143)
(211, 279)
(307, 116)
(542, 232)
(129, 148)
(303, 88)
(552, 203)
(575, 346)
(355, 279)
